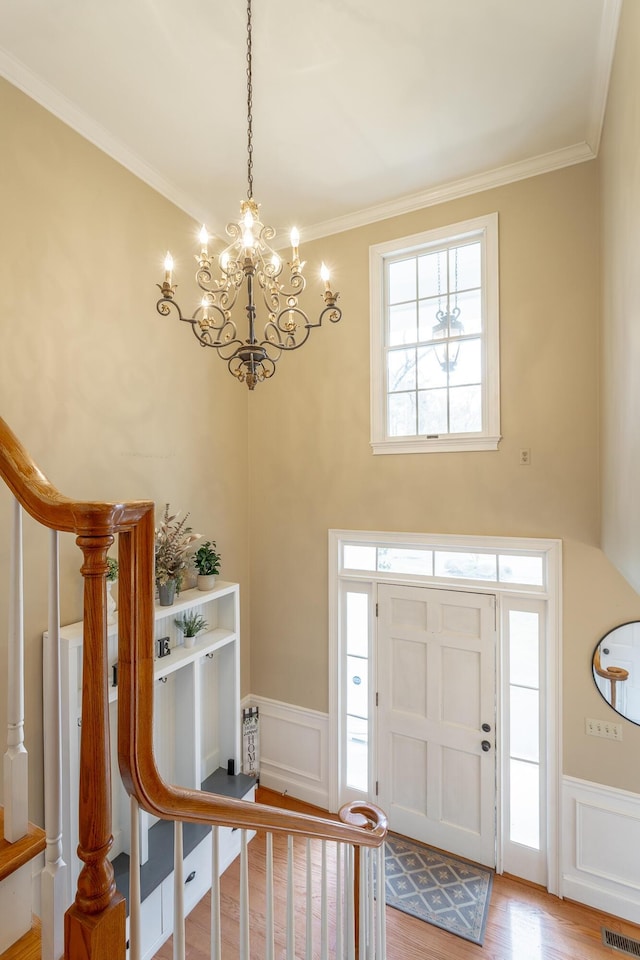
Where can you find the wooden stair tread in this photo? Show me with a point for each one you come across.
(28, 947)
(15, 855)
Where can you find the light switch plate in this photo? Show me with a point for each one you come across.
(603, 728)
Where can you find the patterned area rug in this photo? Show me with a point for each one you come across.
(433, 886)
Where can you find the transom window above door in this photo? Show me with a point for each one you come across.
(434, 340)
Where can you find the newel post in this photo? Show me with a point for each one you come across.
(95, 923)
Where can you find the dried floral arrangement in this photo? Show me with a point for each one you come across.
(172, 541)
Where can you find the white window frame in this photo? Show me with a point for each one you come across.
(486, 229)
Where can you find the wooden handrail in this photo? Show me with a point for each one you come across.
(45, 504)
(95, 923)
(135, 725)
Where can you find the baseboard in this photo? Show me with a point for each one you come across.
(293, 750)
(601, 838)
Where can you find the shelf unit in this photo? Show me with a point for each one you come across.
(197, 730)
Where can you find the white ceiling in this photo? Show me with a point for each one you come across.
(362, 108)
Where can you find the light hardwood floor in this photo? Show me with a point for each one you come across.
(524, 923)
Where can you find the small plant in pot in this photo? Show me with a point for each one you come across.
(207, 562)
(191, 624)
(112, 579)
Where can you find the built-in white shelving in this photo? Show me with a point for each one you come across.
(197, 729)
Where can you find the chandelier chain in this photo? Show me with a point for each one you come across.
(249, 107)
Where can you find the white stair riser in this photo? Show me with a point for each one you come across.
(15, 906)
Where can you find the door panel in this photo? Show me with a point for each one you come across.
(436, 687)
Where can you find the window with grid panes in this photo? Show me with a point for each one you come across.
(435, 356)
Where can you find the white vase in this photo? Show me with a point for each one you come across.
(189, 642)
(112, 603)
(207, 582)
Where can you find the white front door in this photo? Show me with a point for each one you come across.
(436, 717)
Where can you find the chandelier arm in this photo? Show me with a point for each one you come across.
(265, 233)
(297, 285)
(206, 332)
(220, 295)
(283, 337)
(166, 305)
(274, 291)
(271, 293)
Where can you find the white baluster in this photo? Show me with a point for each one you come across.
(350, 909)
(324, 909)
(339, 912)
(291, 929)
(269, 946)
(381, 907)
(371, 925)
(244, 898)
(52, 878)
(178, 894)
(134, 882)
(15, 768)
(362, 904)
(309, 903)
(216, 948)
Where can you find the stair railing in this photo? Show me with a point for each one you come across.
(94, 926)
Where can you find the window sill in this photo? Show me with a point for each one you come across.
(440, 445)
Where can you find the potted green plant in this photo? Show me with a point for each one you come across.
(207, 562)
(191, 624)
(112, 589)
(172, 541)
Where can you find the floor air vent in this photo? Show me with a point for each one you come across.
(621, 943)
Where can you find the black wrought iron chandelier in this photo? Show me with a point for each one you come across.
(250, 264)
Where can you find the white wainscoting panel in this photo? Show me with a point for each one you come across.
(601, 839)
(293, 750)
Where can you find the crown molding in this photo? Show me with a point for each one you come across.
(498, 177)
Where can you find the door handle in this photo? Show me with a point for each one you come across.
(486, 746)
(486, 728)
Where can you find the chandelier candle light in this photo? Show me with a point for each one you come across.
(249, 263)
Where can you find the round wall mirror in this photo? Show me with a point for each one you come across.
(616, 669)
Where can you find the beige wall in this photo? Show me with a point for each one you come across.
(620, 172)
(312, 466)
(112, 400)
(116, 402)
